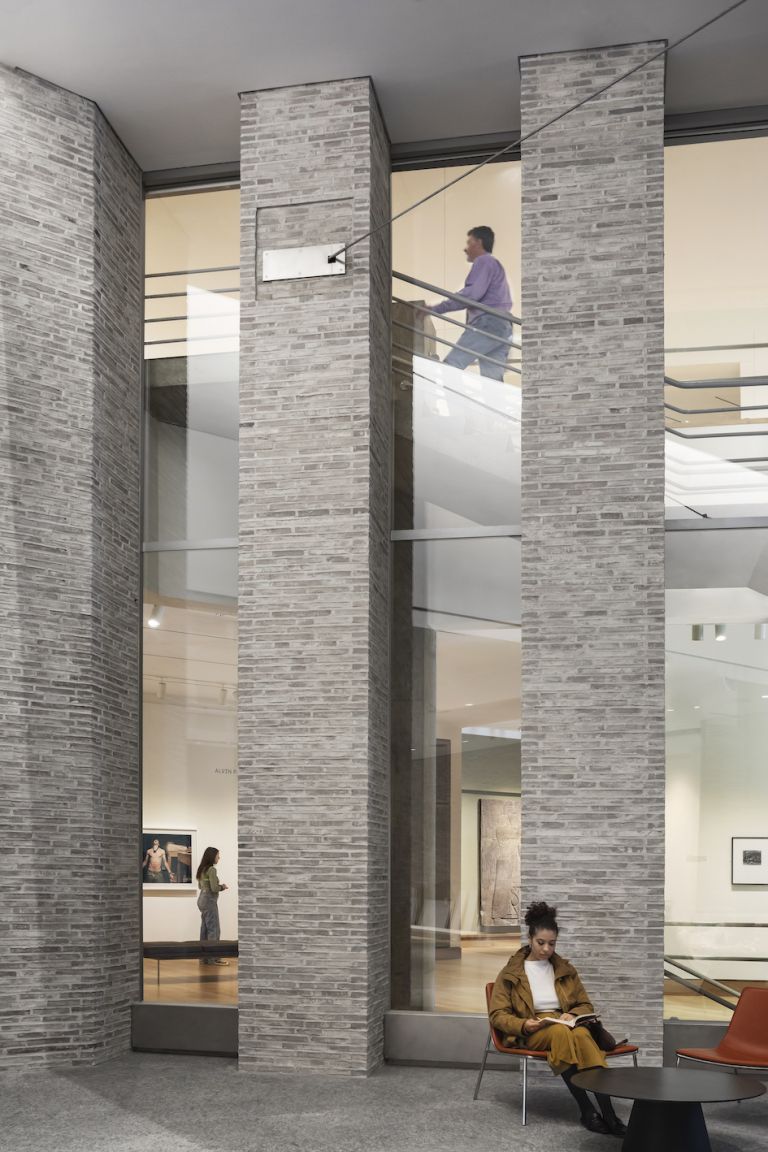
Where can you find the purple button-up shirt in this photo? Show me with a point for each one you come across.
(486, 283)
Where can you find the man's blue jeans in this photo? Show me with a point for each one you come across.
(486, 342)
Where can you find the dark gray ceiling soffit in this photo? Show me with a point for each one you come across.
(719, 124)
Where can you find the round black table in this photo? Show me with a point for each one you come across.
(666, 1114)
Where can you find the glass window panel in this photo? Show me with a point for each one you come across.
(457, 432)
(189, 757)
(456, 770)
(716, 304)
(717, 786)
(191, 334)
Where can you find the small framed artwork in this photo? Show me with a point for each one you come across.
(168, 859)
(749, 860)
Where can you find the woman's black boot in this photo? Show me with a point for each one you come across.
(591, 1120)
(616, 1126)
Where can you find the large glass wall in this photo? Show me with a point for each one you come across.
(717, 580)
(716, 303)
(190, 580)
(456, 615)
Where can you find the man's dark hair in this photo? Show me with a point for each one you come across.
(485, 235)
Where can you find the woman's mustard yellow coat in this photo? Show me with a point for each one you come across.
(512, 1000)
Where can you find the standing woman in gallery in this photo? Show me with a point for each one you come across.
(208, 900)
(537, 987)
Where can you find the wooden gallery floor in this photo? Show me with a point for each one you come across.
(190, 982)
(459, 983)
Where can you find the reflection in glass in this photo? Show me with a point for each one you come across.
(716, 328)
(717, 735)
(456, 770)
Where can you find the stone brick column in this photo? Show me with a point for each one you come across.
(593, 523)
(314, 587)
(70, 394)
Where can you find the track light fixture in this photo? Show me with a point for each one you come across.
(720, 632)
(697, 632)
(761, 630)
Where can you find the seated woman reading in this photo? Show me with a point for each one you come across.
(538, 985)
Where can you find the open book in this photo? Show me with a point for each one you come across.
(587, 1018)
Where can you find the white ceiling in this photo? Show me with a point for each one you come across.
(167, 72)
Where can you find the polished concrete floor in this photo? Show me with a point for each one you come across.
(197, 1104)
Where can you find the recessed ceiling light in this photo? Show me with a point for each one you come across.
(155, 616)
(696, 707)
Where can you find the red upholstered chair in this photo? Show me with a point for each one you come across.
(495, 1042)
(745, 1044)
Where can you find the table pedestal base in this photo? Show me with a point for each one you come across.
(666, 1127)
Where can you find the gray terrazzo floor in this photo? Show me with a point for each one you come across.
(139, 1103)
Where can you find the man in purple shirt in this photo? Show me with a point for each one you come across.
(486, 338)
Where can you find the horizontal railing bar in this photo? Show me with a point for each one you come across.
(439, 340)
(192, 339)
(192, 271)
(700, 975)
(727, 382)
(176, 295)
(715, 524)
(711, 411)
(478, 533)
(218, 544)
(735, 959)
(464, 301)
(716, 435)
(715, 348)
(201, 316)
(713, 924)
(458, 324)
(699, 991)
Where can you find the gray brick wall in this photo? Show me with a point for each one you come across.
(314, 595)
(593, 523)
(70, 333)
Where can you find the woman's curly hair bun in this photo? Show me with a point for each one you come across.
(541, 915)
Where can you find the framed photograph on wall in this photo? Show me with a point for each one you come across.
(749, 860)
(169, 859)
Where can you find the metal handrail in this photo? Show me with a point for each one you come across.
(712, 411)
(439, 340)
(410, 352)
(452, 320)
(464, 301)
(699, 991)
(192, 271)
(701, 976)
(727, 382)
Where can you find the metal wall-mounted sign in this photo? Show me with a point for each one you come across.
(302, 263)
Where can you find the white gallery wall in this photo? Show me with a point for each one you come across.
(190, 782)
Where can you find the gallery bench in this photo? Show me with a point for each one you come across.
(189, 950)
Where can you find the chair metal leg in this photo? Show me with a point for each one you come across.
(677, 1062)
(525, 1089)
(482, 1066)
(634, 1059)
